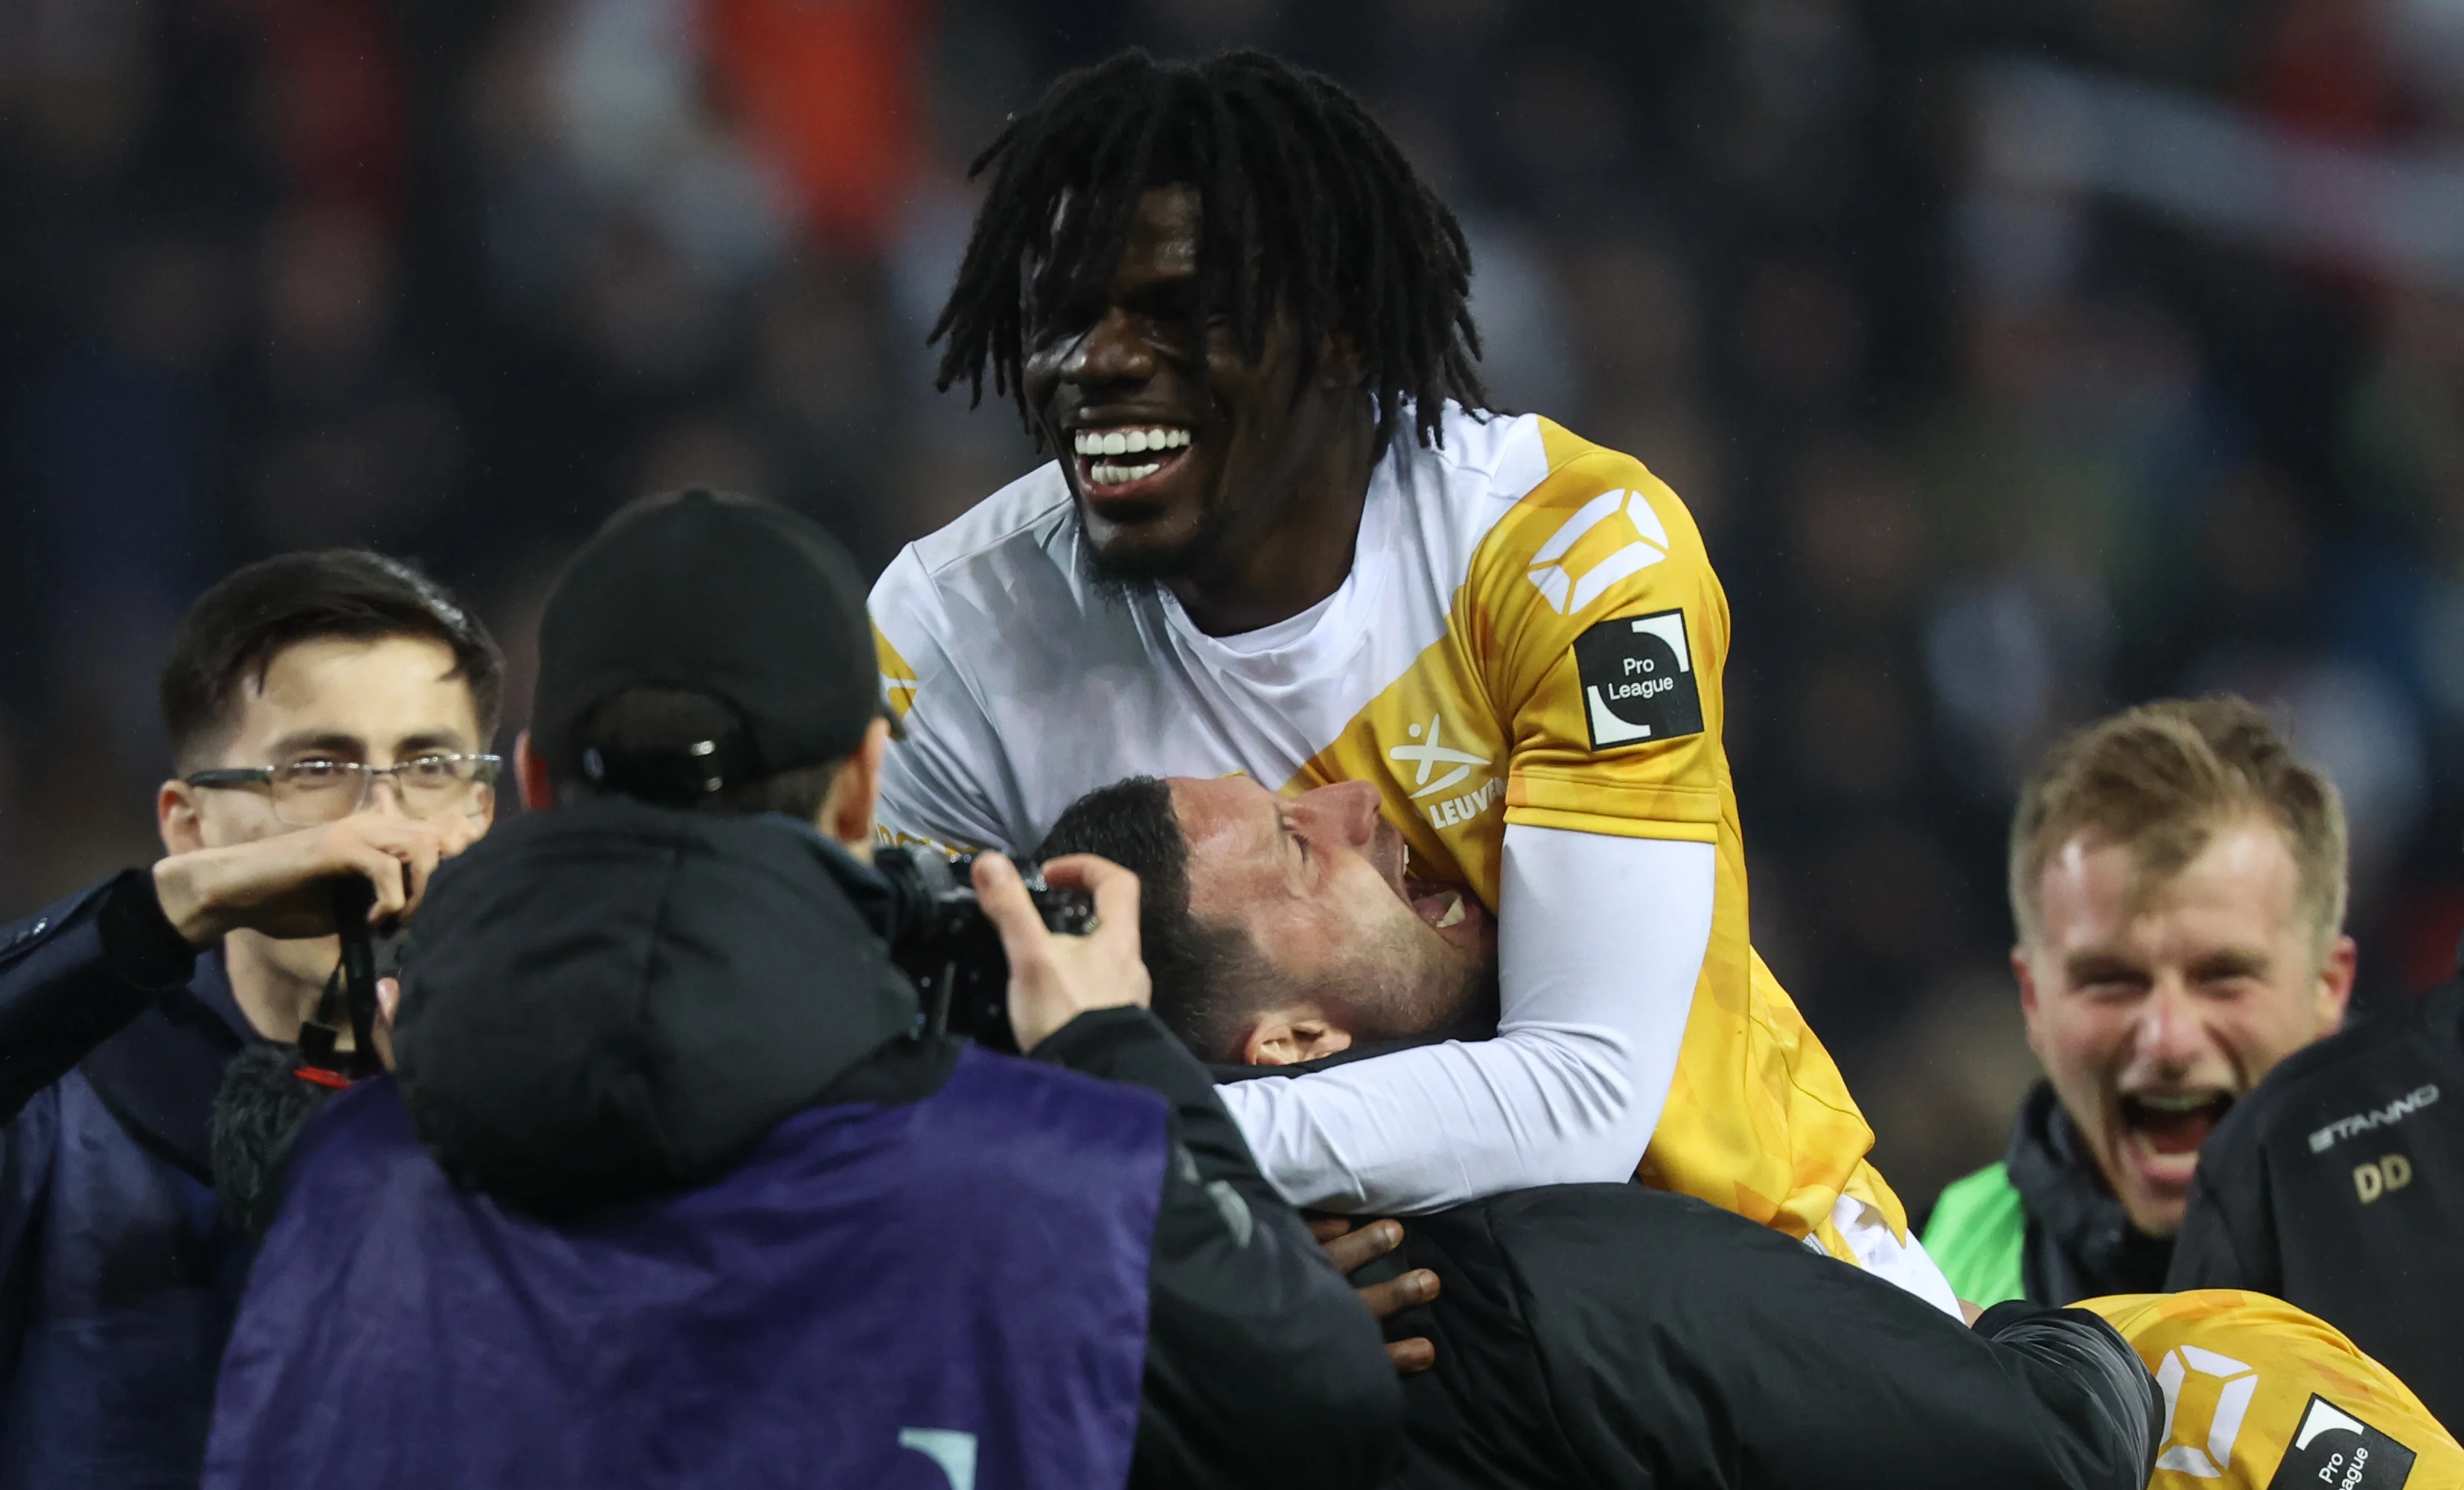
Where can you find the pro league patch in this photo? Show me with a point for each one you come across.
(2338, 1451)
(1638, 679)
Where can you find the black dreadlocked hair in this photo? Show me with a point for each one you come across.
(1294, 179)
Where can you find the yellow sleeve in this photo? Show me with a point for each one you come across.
(1609, 636)
(2261, 1395)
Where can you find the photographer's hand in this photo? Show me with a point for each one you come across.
(1055, 979)
(277, 885)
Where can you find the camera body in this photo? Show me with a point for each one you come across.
(941, 938)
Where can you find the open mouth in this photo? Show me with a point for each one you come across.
(1125, 462)
(2164, 1131)
(1456, 914)
(1440, 908)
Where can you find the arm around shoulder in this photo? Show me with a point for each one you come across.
(1596, 995)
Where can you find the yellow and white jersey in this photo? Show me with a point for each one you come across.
(2259, 1395)
(1526, 661)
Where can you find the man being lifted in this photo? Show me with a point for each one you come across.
(1609, 1335)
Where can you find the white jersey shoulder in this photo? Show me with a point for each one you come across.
(1018, 519)
(1033, 684)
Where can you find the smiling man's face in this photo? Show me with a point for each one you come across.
(1174, 440)
(1350, 947)
(2155, 1005)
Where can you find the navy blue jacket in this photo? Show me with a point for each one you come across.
(117, 1280)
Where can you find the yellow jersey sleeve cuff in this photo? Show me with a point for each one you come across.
(1590, 803)
(1613, 827)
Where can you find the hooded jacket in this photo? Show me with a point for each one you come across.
(615, 1000)
(667, 1188)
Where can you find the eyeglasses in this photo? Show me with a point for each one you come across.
(312, 792)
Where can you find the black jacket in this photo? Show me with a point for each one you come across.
(612, 1000)
(2080, 1243)
(1611, 1335)
(117, 1280)
(1599, 1336)
(2338, 1185)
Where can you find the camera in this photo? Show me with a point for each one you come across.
(941, 938)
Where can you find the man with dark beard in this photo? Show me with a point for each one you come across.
(1611, 1335)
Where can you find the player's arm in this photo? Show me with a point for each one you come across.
(1572, 1086)
(1606, 893)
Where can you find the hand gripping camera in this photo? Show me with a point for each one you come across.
(941, 938)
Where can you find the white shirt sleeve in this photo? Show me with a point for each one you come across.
(932, 785)
(1600, 941)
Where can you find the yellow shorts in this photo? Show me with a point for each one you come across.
(2259, 1395)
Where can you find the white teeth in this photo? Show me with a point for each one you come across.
(1103, 472)
(1454, 913)
(1127, 441)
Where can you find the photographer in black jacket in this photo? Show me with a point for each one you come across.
(676, 1186)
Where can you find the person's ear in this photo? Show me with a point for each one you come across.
(2336, 985)
(529, 773)
(175, 818)
(1289, 1036)
(855, 791)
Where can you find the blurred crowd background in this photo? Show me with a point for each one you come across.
(2020, 358)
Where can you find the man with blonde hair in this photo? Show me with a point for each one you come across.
(2178, 885)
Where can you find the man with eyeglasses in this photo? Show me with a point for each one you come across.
(329, 716)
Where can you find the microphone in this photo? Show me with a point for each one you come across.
(353, 898)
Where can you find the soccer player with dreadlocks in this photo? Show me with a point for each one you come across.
(1286, 538)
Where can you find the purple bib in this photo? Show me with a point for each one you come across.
(945, 1294)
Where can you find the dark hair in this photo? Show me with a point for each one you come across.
(1208, 979)
(671, 721)
(1294, 180)
(234, 631)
